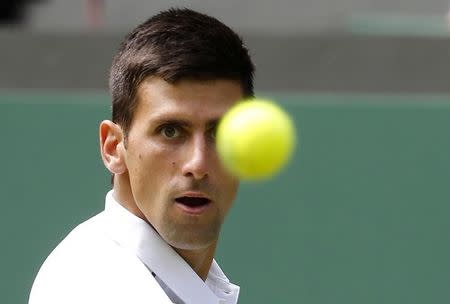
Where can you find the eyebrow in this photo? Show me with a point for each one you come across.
(213, 123)
(185, 123)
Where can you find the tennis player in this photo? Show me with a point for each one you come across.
(172, 79)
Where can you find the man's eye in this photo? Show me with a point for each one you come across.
(213, 132)
(170, 131)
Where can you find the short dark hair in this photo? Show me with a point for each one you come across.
(174, 45)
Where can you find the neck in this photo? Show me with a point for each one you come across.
(200, 260)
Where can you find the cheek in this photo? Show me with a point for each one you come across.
(233, 189)
(230, 186)
(148, 165)
(150, 171)
(148, 154)
(225, 181)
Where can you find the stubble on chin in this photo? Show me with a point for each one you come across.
(190, 234)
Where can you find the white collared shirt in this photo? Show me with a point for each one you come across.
(116, 257)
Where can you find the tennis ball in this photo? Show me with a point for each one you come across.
(255, 139)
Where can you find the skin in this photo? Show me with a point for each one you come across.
(170, 152)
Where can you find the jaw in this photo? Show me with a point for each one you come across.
(124, 195)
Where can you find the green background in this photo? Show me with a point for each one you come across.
(361, 214)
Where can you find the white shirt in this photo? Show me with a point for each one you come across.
(116, 257)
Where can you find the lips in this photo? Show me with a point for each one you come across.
(193, 203)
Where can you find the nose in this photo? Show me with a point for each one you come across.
(196, 164)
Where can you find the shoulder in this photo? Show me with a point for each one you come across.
(89, 267)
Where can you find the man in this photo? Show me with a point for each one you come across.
(172, 80)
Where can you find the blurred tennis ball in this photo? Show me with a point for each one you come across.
(255, 139)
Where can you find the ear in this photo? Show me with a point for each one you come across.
(112, 147)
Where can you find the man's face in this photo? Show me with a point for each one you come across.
(176, 178)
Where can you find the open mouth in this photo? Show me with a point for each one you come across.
(193, 202)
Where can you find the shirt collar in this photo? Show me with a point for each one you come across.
(136, 235)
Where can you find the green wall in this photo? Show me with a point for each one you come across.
(361, 215)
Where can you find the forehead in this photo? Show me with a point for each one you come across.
(186, 99)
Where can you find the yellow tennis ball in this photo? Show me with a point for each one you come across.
(255, 139)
